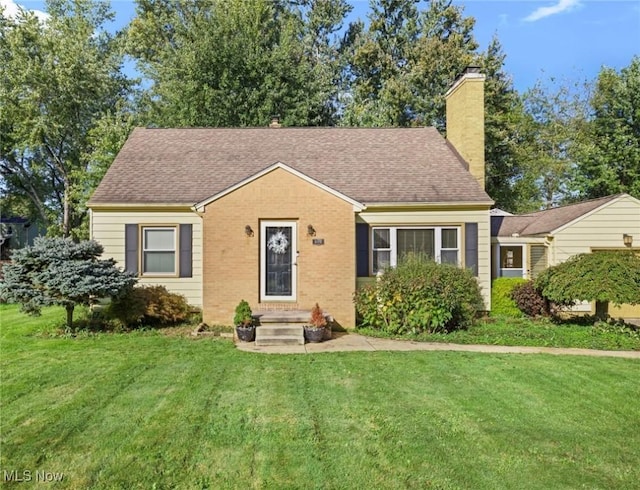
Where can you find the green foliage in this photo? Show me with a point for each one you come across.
(401, 65)
(419, 295)
(551, 133)
(238, 62)
(503, 118)
(150, 306)
(607, 276)
(59, 79)
(502, 304)
(529, 300)
(243, 314)
(609, 159)
(58, 271)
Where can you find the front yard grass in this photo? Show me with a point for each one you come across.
(147, 410)
(534, 333)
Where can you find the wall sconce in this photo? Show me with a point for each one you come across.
(311, 230)
(248, 231)
(627, 239)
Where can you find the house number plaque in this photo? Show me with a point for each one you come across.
(318, 241)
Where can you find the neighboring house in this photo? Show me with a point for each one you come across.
(16, 232)
(287, 217)
(524, 245)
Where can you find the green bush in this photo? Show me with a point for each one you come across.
(419, 296)
(502, 304)
(150, 306)
(529, 300)
(243, 315)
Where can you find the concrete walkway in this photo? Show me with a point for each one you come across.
(349, 342)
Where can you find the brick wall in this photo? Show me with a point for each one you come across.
(465, 121)
(231, 262)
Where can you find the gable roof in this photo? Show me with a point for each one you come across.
(368, 165)
(548, 220)
(356, 205)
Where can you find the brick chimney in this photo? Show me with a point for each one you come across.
(465, 119)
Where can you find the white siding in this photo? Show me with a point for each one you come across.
(108, 228)
(602, 229)
(445, 217)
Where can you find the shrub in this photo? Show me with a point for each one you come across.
(529, 300)
(243, 315)
(418, 296)
(150, 306)
(501, 301)
(603, 277)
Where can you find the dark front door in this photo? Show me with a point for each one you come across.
(278, 253)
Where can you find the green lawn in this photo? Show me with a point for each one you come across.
(535, 333)
(148, 410)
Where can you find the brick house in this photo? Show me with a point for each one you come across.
(287, 217)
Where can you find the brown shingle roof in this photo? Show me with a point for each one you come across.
(369, 165)
(543, 222)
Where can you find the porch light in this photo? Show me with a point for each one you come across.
(311, 230)
(627, 239)
(248, 231)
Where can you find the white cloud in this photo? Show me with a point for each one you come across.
(12, 9)
(558, 8)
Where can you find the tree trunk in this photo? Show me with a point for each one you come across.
(66, 218)
(602, 310)
(70, 316)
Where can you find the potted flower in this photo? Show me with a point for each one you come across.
(243, 321)
(314, 332)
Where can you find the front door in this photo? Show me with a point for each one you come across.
(278, 251)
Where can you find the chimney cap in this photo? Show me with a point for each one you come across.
(275, 121)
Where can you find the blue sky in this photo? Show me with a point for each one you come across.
(565, 39)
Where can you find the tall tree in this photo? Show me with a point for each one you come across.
(551, 131)
(238, 62)
(609, 156)
(504, 116)
(59, 79)
(402, 64)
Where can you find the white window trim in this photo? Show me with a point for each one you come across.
(144, 250)
(393, 242)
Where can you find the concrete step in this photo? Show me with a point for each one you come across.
(279, 340)
(272, 334)
(287, 329)
(293, 316)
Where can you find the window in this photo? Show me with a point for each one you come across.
(391, 244)
(159, 250)
(512, 260)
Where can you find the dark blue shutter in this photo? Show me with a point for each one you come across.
(471, 247)
(362, 249)
(131, 248)
(186, 246)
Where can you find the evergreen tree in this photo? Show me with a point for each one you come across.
(57, 271)
(403, 63)
(504, 115)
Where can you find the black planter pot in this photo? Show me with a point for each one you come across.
(246, 334)
(313, 334)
